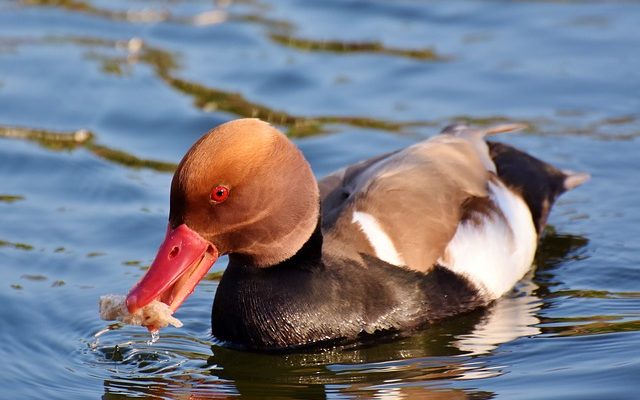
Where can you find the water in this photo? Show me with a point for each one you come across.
(347, 80)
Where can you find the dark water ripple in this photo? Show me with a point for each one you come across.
(99, 100)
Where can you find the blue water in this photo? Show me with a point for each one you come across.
(147, 78)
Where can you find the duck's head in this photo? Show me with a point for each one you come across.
(243, 189)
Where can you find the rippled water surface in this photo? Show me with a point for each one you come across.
(99, 100)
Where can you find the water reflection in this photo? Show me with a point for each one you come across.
(553, 250)
(512, 317)
(416, 365)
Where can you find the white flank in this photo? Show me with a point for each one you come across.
(497, 253)
(379, 240)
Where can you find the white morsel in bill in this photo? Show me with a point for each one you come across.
(379, 240)
(154, 315)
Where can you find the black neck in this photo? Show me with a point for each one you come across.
(309, 253)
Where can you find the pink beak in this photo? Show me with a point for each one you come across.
(183, 259)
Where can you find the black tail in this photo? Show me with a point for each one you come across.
(539, 183)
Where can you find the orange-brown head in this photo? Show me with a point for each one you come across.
(242, 189)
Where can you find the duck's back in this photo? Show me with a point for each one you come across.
(404, 207)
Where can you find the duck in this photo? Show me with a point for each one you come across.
(389, 245)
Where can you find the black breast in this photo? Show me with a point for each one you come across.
(331, 301)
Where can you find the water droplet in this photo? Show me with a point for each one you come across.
(94, 345)
(155, 336)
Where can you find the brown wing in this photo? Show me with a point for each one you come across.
(416, 196)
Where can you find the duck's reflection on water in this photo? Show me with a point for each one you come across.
(421, 365)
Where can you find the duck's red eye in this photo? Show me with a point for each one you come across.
(219, 194)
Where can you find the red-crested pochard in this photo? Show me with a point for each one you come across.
(403, 240)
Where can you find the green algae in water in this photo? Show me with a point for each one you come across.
(16, 245)
(82, 138)
(83, 7)
(48, 139)
(34, 277)
(10, 198)
(337, 46)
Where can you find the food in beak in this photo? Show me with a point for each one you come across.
(183, 259)
(154, 315)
